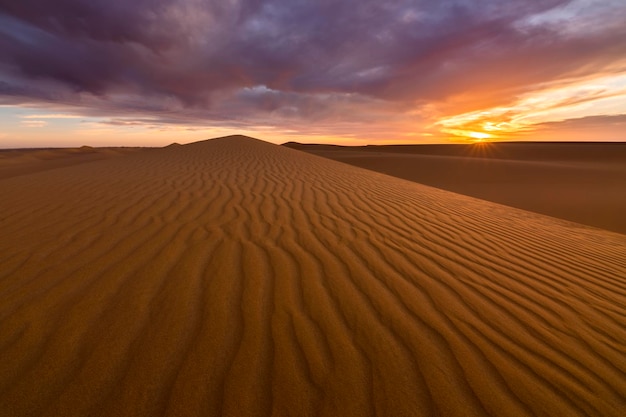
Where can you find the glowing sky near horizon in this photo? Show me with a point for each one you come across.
(152, 72)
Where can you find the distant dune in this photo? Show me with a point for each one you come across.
(14, 162)
(580, 182)
(233, 277)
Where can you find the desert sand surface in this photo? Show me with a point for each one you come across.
(233, 277)
(580, 182)
(14, 162)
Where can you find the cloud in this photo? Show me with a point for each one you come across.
(605, 128)
(286, 63)
(614, 123)
(34, 123)
(50, 116)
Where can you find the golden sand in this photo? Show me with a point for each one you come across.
(238, 278)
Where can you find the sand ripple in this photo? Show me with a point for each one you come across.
(233, 277)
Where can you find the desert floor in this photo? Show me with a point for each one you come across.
(239, 278)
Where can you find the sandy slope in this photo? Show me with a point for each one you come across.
(234, 277)
(580, 182)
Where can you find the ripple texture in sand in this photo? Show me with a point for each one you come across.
(237, 278)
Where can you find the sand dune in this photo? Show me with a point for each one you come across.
(580, 182)
(15, 162)
(238, 278)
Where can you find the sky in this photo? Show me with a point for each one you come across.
(153, 72)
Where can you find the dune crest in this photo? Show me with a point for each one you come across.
(234, 277)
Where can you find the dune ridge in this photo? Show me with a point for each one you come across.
(234, 277)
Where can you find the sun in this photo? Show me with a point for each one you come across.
(474, 136)
(479, 136)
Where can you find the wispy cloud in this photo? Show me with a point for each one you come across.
(34, 123)
(50, 116)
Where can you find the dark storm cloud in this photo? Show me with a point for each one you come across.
(229, 59)
(115, 21)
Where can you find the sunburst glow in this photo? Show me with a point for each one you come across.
(553, 103)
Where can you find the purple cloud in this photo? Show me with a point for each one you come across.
(297, 59)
